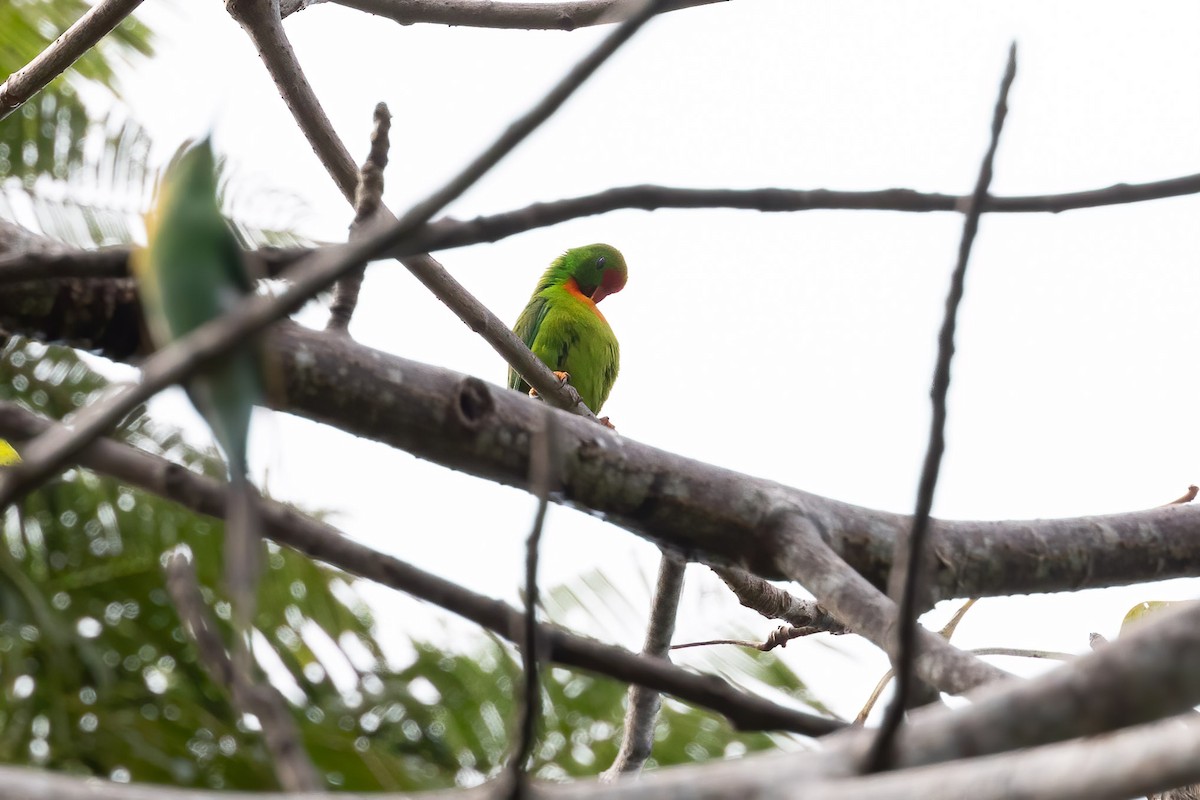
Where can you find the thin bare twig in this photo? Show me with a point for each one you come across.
(185, 355)
(1018, 652)
(950, 627)
(261, 699)
(946, 633)
(367, 201)
(1187, 496)
(643, 703)
(76, 40)
(563, 16)
(778, 638)
(775, 200)
(775, 603)
(544, 472)
(446, 233)
(325, 543)
(908, 565)
(1024, 652)
(711, 642)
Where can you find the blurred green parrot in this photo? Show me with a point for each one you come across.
(192, 272)
(563, 327)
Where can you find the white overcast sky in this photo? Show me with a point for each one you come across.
(797, 347)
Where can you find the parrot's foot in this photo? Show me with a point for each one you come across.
(563, 379)
(604, 421)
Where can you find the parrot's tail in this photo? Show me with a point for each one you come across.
(243, 563)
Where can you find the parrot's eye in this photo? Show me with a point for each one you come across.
(600, 262)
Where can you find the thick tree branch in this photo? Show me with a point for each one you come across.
(563, 16)
(93, 26)
(1126, 764)
(324, 543)
(710, 512)
(1113, 767)
(703, 510)
(1147, 675)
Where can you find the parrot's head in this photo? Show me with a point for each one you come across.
(189, 185)
(598, 269)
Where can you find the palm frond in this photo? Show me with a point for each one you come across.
(88, 183)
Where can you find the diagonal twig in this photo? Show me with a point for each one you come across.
(261, 22)
(261, 699)
(908, 564)
(946, 632)
(1186, 497)
(76, 40)
(778, 638)
(368, 199)
(950, 627)
(219, 336)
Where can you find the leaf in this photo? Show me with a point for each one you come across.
(1144, 610)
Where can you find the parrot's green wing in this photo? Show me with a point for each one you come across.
(526, 329)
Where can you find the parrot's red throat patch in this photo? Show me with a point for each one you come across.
(611, 283)
(572, 287)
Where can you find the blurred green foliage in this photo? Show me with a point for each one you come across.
(98, 677)
(46, 135)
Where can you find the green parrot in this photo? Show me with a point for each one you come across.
(192, 272)
(563, 327)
